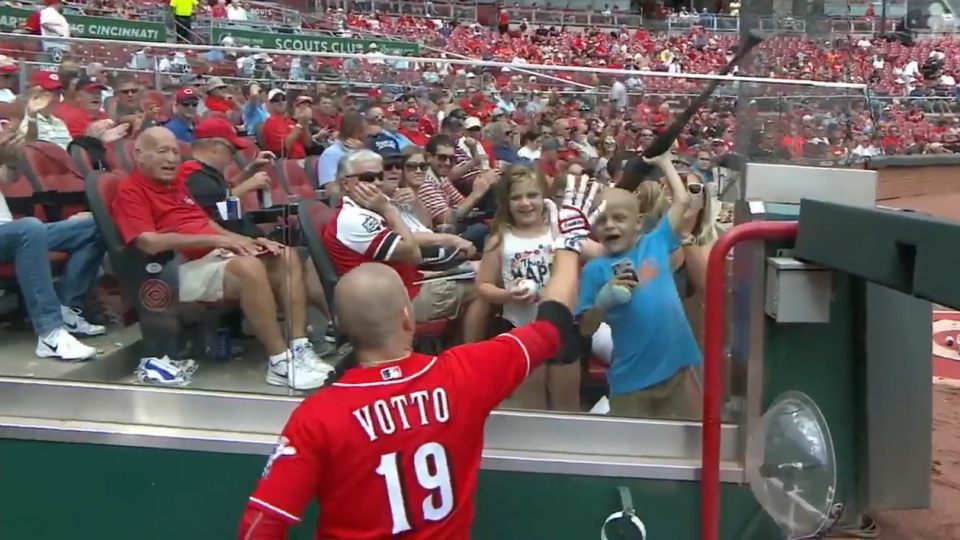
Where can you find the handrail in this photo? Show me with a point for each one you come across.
(715, 320)
(459, 62)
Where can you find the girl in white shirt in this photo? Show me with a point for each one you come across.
(515, 267)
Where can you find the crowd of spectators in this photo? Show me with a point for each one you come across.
(432, 140)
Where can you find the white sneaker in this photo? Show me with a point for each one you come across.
(60, 344)
(307, 355)
(162, 371)
(74, 323)
(296, 372)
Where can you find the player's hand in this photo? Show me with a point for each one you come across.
(570, 223)
(263, 158)
(244, 247)
(369, 197)
(271, 247)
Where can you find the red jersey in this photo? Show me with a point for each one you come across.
(395, 448)
(356, 235)
(143, 205)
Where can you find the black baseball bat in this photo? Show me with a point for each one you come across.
(635, 174)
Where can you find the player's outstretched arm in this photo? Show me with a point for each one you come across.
(497, 367)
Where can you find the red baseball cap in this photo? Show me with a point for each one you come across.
(218, 128)
(410, 113)
(302, 99)
(187, 94)
(47, 80)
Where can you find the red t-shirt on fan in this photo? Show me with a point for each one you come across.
(395, 449)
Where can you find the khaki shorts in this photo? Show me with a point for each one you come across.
(201, 280)
(440, 299)
(670, 400)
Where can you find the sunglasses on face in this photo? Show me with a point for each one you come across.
(278, 100)
(190, 104)
(392, 165)
(370, 177)
(421, 166)
(444, 157)
(695, 188)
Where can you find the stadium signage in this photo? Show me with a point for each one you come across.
(310, 43)
(92, 27)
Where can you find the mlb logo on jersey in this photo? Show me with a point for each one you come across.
(391, 373)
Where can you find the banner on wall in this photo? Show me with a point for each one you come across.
(310, 43)
(83, 26)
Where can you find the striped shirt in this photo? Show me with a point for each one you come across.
(461, 155)
(438, 195)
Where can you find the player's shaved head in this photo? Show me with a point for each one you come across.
(371, 304)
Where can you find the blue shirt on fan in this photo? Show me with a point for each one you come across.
(652, 339)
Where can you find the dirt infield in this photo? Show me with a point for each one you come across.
(942, 520)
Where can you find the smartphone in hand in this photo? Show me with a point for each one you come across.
(625, 267)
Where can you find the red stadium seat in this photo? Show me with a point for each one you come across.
(56, 177)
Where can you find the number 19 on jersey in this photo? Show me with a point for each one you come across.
(432, 474)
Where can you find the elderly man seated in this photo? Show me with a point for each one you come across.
(157, 214)
(368, 228)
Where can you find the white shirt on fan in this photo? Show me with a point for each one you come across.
(49, 16)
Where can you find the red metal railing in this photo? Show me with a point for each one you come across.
(715, 315)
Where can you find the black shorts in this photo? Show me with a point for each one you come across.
(573, 349)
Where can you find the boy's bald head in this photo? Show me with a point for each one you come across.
(620, 199)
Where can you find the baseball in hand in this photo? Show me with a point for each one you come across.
(528, 286)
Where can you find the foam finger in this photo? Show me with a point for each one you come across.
(588, 201)
(581, 191)
(569, 192)
(595, 215)
(552, 213)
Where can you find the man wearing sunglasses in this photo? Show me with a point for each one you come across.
(410, 127)
(367, 228)
(184, 114)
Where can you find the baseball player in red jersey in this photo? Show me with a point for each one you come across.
(393, 448)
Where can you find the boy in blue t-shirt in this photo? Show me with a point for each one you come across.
(633, 291)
